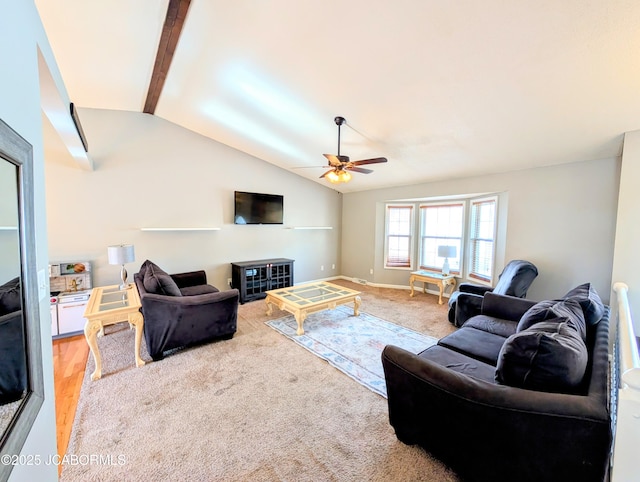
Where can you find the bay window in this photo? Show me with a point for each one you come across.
(466, 226)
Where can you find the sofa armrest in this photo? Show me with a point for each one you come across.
(191, 278)
(473, 288)
(505, 307)
(467, 306)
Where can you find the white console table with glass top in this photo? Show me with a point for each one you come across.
(109, 305)
(438, 279)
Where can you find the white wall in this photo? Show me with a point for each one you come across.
(21, 34)
(626, 263)
(561, 218)
(152, 173)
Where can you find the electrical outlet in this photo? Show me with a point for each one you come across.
(371, 271)
(333, 266)
(322, 267)
(229, 282)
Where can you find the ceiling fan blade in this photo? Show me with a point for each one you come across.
(336, 160)
(359, 169)
(330, 170)
(375, 160)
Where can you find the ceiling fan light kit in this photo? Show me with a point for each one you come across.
(341, 165)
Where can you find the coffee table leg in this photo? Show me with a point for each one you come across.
(441, 288)
(300, 317)
(137, 320)
(269, 306)
(91, 329)
(356, 306)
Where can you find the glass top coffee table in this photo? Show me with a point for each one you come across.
(301, 300)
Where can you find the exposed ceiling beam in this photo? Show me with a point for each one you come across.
(176, 14)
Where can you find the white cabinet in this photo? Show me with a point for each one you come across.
(70, 317)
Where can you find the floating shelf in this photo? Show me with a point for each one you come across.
(311, 227)
(179, 229)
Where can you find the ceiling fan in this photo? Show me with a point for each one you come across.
(341, 165)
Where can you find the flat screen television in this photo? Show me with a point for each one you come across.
(258, 208)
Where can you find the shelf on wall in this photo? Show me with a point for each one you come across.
(179, 229)
(311, 227)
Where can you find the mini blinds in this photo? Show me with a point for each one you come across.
(399, 229)
(481, 238)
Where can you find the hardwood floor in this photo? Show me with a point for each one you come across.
(69, 362)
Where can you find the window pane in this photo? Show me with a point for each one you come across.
(399, 230)
(481, 238)
(441, 225)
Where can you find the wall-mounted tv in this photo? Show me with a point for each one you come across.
(257, 208)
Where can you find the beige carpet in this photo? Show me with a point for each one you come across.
(254, 408)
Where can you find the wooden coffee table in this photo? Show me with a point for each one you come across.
(309, 298)
(438, 279)
(109, 305)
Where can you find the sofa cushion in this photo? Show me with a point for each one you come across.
(562, 310)
(589, 300)
(478, 344)
(490, 324)
(10, 297)
(550, 356)
(159, 282)
(459, 362)
(198, 290)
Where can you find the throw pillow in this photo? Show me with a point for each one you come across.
(549, 356)
(589, 300)
(10, 297)
(159, 282)
(563, 310)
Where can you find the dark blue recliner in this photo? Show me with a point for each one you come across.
(515, 279)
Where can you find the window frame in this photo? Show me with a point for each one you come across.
(411, 235)
(471, 274)
(420, 254)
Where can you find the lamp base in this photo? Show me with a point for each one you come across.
(123, 275)
(445, 267)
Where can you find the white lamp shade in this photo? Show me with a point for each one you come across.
(447, 251)
(121, 254)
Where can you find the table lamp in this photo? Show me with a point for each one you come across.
(121, 254)
(446, 252)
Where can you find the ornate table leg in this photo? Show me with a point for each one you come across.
(137, 320)
(300, 317)
(411, 281)
(441, 288)
(356, 305)
(91, 328)
(269, 306)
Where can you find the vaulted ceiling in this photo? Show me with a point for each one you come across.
(442, 89)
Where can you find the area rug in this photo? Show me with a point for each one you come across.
(352, 344)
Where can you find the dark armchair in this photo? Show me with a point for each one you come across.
(13, 361)
(515, 279)
(182, 310)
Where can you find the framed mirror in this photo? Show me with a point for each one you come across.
(21, 380)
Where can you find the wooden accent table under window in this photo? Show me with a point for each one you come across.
(438, 279)
(109, 305)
